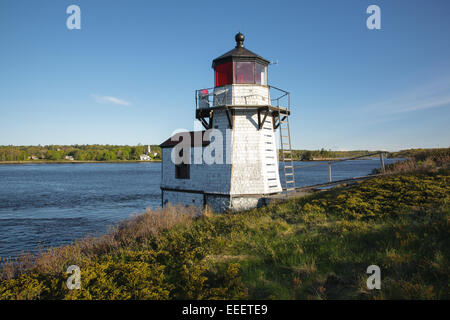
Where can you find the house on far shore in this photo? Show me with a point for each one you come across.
(145, 157)
(70, 158)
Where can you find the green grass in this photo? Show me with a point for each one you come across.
(316, 247)
(319, 247)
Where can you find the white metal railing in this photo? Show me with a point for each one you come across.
(213, 97)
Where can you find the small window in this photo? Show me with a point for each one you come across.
(182, 171)
(261, 74)
(244, 72)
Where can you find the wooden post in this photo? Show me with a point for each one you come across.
(383, 168)
(329, 172)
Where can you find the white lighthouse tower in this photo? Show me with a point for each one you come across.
(241, 109)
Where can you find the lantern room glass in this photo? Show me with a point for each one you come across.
(244, 72)
(224, 74)
(240, 72)
(261, 74)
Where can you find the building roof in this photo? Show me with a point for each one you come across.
(239, 53)
(178, 137)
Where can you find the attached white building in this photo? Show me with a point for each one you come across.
(240, 121)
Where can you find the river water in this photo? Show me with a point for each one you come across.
(54, 204)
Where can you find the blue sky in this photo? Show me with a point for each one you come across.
(129, 75)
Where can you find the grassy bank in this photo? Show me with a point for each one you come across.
(420, 160)
(418, 153)
(316, 247)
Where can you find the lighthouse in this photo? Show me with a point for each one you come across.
(241, 115)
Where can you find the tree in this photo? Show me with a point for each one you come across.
(307, 156)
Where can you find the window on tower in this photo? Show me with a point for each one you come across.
(244, 72)
(261, 74)
(241, 72)
(224, 74)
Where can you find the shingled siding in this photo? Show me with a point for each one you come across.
(252, 152)
(214, 178)
(241, 94)
(254, 171)
(254, 156)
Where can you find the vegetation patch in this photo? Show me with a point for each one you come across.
(93, 152)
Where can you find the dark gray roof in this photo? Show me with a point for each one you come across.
(178, 137)
(239, 53)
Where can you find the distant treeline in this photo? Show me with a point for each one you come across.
(418, 154)
(77, 152)
(308, 155)
(98, 152)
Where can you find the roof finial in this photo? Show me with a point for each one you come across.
(239, 40)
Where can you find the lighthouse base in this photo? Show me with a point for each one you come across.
(216, 202)
(222, 203)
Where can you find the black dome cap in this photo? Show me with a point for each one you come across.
(239, 40)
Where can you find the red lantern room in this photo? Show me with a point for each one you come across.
(240, 66)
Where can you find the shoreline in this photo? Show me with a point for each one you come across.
(73, 162)
(131, 161)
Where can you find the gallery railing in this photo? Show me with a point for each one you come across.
(212, 97)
